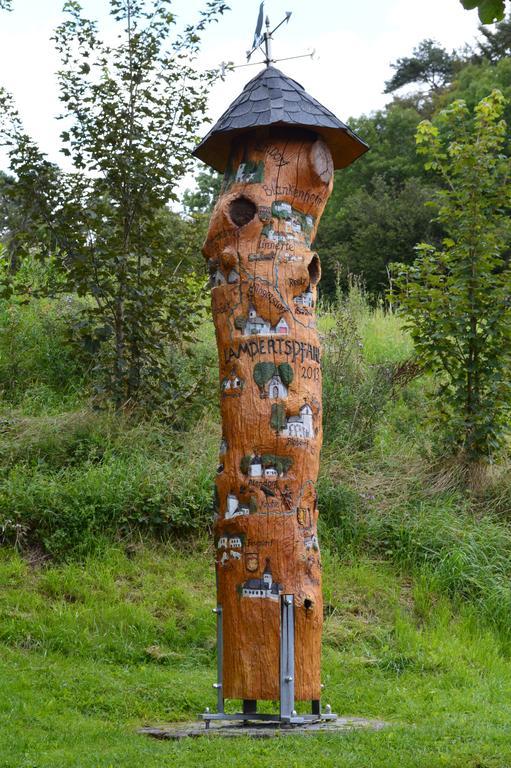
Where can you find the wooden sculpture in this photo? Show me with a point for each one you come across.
(264, 276)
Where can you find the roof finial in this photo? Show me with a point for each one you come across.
(267, 43)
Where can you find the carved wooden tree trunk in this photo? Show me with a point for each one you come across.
(264, 277)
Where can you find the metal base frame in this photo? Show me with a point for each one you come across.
(287, 713)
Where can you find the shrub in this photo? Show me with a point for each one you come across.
(363, 367)
(72, 482)
(456, 298)
(342, 524)
(36, 354)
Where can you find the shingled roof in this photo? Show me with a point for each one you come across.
(271, 98)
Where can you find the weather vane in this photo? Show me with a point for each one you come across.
(265, 39)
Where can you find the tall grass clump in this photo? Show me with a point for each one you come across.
(430, 535)
(70, 482)
(38, 363)
(464, 556)
(367, 359)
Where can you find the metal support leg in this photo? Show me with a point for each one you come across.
(287, 713)
(219, 685)
(287, 659)
(249, 709)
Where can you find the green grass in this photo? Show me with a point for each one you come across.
(90, 652)
(69, 481)
(103, 630)
(383, 338)
(39, 369)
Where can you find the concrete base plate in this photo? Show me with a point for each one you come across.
(260, 730)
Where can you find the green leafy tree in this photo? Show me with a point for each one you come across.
(278, 417)
(13, 222)
(132, 111)
(392, 159)
(391, 135)
(376, 226)
(262, 373)
(496, 43)
(281, 463)
(489, 11)
(203, 198)
(430, 65)
(34, 201)
(475, 81)
(456, 298)
(245, 464)
(286, 373)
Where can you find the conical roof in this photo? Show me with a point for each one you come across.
(271, 98)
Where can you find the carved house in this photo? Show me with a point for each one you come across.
(232, 384)
(256, 467)
(234, 508)
(305, 299)
(282, 327)
(282, 210)
(216, 278)
(276, 388)
(264, 587)
(301, 425)
(255, 324)
(311, 542)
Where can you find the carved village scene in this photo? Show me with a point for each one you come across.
(264, 275)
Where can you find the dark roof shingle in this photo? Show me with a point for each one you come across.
(271, 98)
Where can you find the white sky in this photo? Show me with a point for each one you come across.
(355, 43)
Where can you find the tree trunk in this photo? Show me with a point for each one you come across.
(264, 277)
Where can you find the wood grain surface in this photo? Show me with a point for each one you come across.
(264, 276)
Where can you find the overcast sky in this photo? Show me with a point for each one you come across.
(355, 43)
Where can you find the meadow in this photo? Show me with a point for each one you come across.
(107, 581)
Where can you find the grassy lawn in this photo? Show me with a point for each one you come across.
(98, 640)
(90, 652)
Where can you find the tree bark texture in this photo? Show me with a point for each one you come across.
(264, 275)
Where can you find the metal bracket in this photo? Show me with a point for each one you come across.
(219, 685)
(287, 713)
(287, 658)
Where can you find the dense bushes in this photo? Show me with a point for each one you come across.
(71, 475)
(36, 360)
(367, 360)
(72, 480)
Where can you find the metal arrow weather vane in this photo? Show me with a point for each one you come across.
(263, 42)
